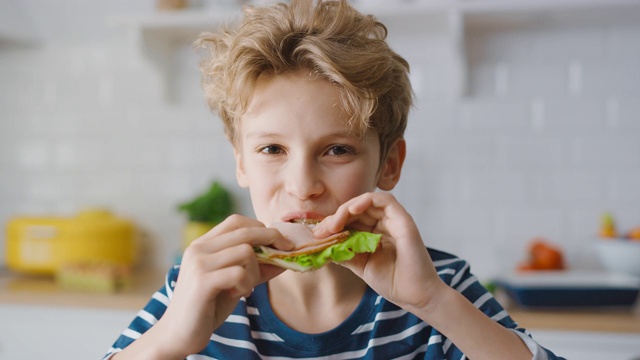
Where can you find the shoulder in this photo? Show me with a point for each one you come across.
(455, 272)
(437, 255)
(444, 261)
(172, 274)
(170, 280)
(172, 277)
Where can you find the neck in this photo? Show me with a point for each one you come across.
(316, 301)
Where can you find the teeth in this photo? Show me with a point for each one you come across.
(305, 221)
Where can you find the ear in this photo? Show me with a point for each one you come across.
(391, 167)
(241, 175)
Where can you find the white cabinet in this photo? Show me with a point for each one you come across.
(37, 332)
(15, 25)
(444, 22)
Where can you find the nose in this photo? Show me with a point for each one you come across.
(303, 178)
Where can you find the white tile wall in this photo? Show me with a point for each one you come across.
(545, 142)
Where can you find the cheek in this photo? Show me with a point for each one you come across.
(261, 198)
(263, 180)
(354, 182)
(261, 184)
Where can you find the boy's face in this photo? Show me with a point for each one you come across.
(296, 154)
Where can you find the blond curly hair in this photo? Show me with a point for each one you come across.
(329, 38)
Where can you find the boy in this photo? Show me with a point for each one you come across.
(315, 105)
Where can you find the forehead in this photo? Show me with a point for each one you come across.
(295, 96)
(293, 88)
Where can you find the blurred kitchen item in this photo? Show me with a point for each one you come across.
(42, 245)
(164, 5)
(542, 255)
(608, 226)
(214, 5)
(570, 289)
(619, 255)
(634, 233)
(100, 277)
(193, 230)
(205, 211)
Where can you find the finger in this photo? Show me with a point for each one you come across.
(268, 272)
(236, 280)
(355, 214)
(233, 222)
(237, 222)
(248, 277)
(254, 236)
(378, 201)
(239, 268)
(357, 264)
(334, 223)
(240, 255)
(389, 213)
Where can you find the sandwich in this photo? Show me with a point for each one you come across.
(310, 253)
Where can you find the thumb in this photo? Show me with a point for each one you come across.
(268, 272)
(357, 264)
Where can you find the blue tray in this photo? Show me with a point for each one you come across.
(570, 289)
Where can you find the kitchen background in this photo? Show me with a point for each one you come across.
(527, 121)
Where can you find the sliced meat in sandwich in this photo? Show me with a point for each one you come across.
(310, 253)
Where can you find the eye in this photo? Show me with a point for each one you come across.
(340, 150)
(271, 150)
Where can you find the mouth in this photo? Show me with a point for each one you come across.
(303, 217)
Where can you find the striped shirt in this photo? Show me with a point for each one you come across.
(377, 329)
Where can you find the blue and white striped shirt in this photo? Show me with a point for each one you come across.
(377, 329)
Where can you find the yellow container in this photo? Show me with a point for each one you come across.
(193, 230)
(43, 244)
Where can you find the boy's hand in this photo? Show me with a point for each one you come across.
(401, 269)
(217, 270)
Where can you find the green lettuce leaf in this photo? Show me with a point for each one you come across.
(357, 242)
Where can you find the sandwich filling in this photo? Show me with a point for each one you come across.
(310, 253)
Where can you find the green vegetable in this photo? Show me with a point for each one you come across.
(357, 242)
(213, 206)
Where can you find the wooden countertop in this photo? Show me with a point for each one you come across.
(597, 320)
(38, 290)
(43, 290)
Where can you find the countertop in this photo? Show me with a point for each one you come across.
(43, 291)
